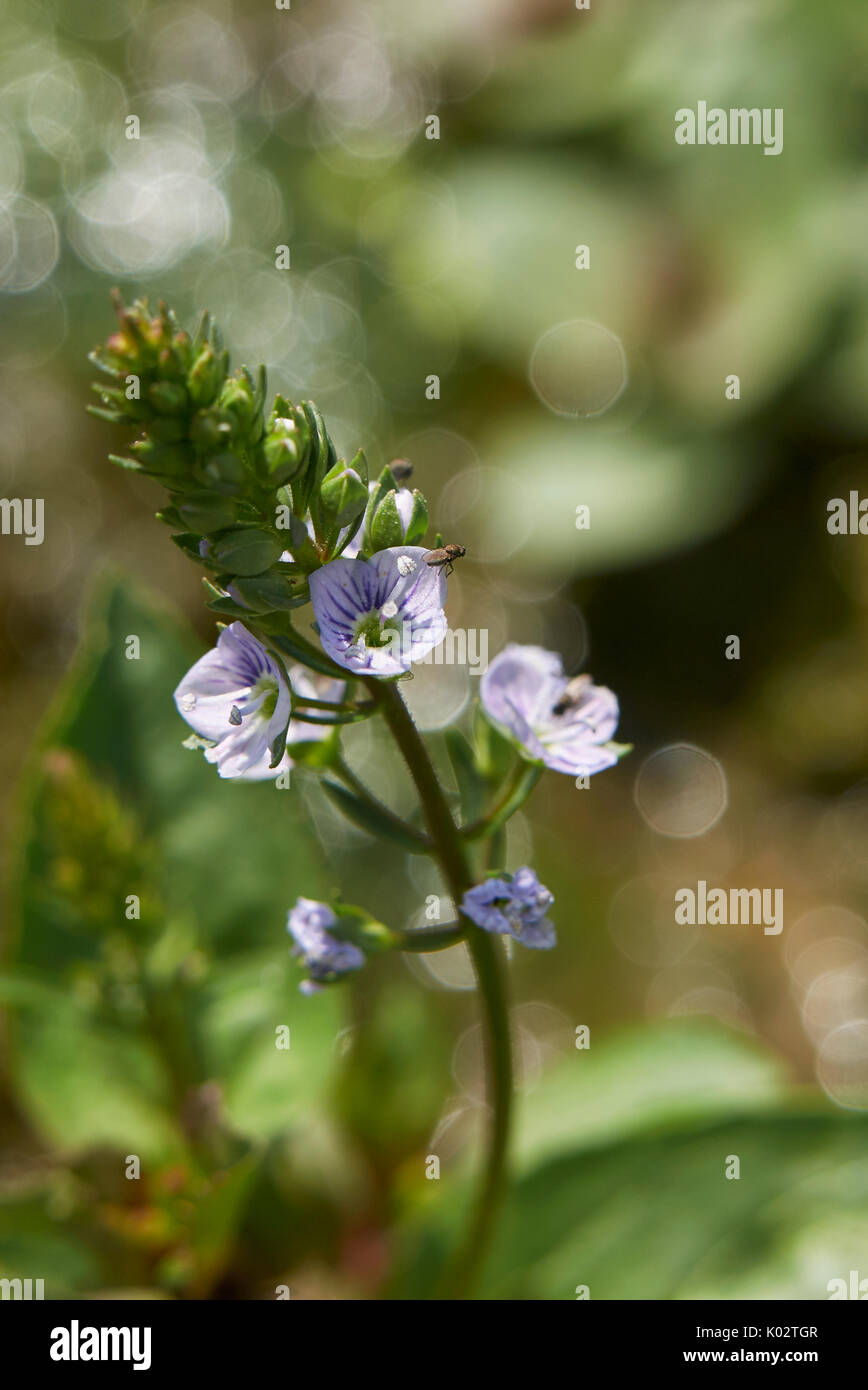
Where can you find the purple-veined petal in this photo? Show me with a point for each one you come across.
(235, 696)
(377, 616)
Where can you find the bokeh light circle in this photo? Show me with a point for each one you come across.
(842, 1065)
(578, 368)
(681, 791)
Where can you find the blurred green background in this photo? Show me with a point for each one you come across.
(453, 258)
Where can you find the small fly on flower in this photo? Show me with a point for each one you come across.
(572, 695)
(401, 469)
(446, 556)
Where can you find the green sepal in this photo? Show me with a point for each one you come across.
(386, 528)
(114, 417)
(323, 459)
(620, 749)
(343, 494)
(278, 748)
(226, 607)
(131, 465)
(301, 546)
(358, 926)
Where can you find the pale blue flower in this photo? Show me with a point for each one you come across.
(310, 924)
(236, 700)
(565, 724)
(377, 616)
(514, 906)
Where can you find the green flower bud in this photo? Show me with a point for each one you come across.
(167, 397)
(162, 460)
(286, 447)
(211, 429)
(358, 926)
(206, 375)
(223, 473)
(167, 429)
(238, 400)
(204, 512)
(245, 550)
(401, 518)
(344, 493)
(418, 523)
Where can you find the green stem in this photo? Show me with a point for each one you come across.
(516, 792)
(430, 938)
(338, 717)
(303, 702)
(488, 963)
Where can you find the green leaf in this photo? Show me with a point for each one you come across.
(379, 823)
(39, 1240)
(656, 1217)
(268, 1088)
(620, 1156)
(219, 1212)
(246, 550)
(114, 806)
(471, 786)
(676, 1072)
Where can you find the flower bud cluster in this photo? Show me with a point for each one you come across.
(258, 499)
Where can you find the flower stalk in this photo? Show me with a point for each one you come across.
(488, 966)
(261, 502)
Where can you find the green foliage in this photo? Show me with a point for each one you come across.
(655, 1216)
(150, 968)
(619, 1180)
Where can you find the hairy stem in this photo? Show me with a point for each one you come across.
(518, 789)
(488, 964)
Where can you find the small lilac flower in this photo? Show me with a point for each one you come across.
(236, 700)
(309, 923)
(566, 724)
(308, 684)
(515, 907)
(377, 616)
